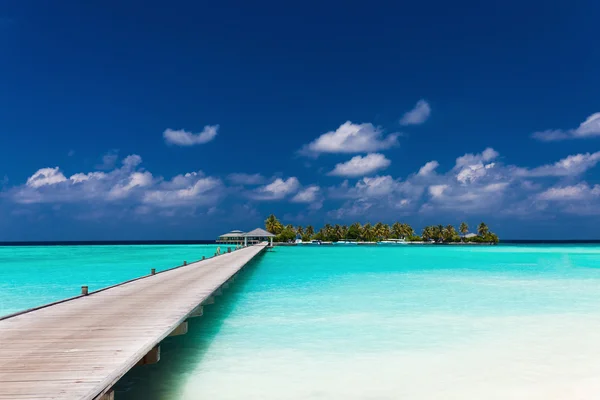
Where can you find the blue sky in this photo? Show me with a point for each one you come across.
(180, 120)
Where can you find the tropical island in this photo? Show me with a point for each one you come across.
(378, 232)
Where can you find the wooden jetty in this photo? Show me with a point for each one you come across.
(79, 348)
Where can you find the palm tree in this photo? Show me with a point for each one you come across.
(407, 230)
(367, 232)
(387, 231)
(273, 225)
(354, 231)
(397, 230)
(463, 228)
(337, 232)
(309, 230)
(427, 233)
(300, 230)
(439, 232)
(344, 231)
(449, 233)
(378, 230)
(327, 232)
(482, 229)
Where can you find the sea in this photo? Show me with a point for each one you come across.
(516, 321)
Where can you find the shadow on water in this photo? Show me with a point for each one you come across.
(181, 354)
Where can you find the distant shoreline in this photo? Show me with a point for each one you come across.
(213, 242)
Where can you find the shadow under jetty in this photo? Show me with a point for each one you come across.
(180, 355)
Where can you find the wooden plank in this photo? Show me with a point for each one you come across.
(78, 349)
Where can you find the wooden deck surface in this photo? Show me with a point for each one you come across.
(79, 348)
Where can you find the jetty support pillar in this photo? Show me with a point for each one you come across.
(152, 357)
(182, 329)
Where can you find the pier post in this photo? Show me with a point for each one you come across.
(108, 396)
(153, 271)
(182, 329)
(184, 262)
(84, 290)
(198, 312)
(152, 357)
(203, 258)
(229, 249)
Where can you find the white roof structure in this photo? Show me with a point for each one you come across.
(470, 235)
(258, 232)
(232, 234)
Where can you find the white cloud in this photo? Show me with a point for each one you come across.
(376, 186)
(120, 187)
(132, 161)
(361, 166)
(588, 128)
(471, 173)
(471, 167)
(428, 168)
(488, 154)
(246, 179)
(45, 176)
(182, 137)
(276, 190)
(351, 138)
(437, 190)
(569, 166)
(198, 190)
(579, 191)
(417, 115)
(81, 177)
(135, 180)
(307, 195)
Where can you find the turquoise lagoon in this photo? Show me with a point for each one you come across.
(324, 322)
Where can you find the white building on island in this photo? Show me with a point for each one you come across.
(246, 238)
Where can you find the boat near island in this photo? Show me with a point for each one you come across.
(346, 242)
(392, 242)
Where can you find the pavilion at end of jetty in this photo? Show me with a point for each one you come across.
(255, 236)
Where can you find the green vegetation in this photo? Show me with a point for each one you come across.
(377, 232)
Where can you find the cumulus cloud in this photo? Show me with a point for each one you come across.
(472, 167)
(307, 195)
(361, 166)
(418, 115)
(579, 191)
(197, 190)
(473, 172)
(588, 128)
(128, 183)
(476, 184)
(44, 177)
(132, 161)
(428, 168)
(351, 138)
(472, 185)
(182, 137)
(437, 190)
(246, 179)
(135, 180)
(276, 190)
(569, 166)
(486, 155)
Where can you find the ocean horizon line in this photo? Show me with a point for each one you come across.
(205, 241)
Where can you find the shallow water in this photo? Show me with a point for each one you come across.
(417, 322)
(34, 275)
